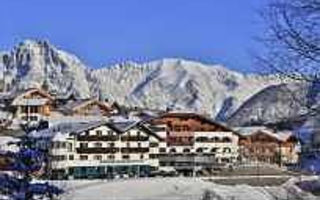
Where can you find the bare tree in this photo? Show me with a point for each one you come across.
(293, 38)
(292, 42)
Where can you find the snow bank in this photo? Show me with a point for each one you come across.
(175, 189)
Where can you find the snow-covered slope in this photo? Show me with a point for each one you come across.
(174, 83)
(287, 102)
(178, 84)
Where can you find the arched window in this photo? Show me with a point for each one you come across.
(226, 140)
(226, 150)
(202, 139)
(215, 139)
(214, 150)
(186, 150)
(173, 150)
(199, 150)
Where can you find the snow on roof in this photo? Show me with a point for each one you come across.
(5, 114)
(4, 140)
(7, 95)
(65, 128)
(30, 102)
(71, 106)
(122, 126)
(245, 131)
(280, 135)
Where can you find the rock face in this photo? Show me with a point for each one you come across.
(39, 64)
(167, 83)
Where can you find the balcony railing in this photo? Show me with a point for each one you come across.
(134, 150)
(98, 138)
(134, 138)
(97, 150)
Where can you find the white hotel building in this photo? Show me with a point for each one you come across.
(108, 149)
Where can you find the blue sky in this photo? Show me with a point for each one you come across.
(109, 31)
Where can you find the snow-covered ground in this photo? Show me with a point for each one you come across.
(177, 189)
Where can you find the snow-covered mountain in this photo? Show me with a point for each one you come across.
(293, 103)
(37, 63)
(174, 83)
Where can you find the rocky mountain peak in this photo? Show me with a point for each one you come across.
(170, 82)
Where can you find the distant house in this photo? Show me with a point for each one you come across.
(86, 107)
(268, 146)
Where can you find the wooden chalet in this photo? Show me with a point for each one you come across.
(269, 147)
(32, 104)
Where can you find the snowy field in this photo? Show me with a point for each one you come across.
(177, 189)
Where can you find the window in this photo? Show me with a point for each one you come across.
(125, 157)
(69, 147)
(177, 128)
(97, 144)
(199, 150)
(59, 158)
(111, 144)
(83, 145)
(33, 118)
(154, 144)
(225, 160)
(97, 157)
(185, 128)
(226, 150)
(33, 109)
(71, 157)
(214, 150)
(24, 109)
(83, 157)
(173, 150)
(153, 156)
(139, 144)
(162, 150)
(110, 133)
(99, 133)
(215, 139)
(186, 150)
(226, 140)
(111, 157)
(141, 156)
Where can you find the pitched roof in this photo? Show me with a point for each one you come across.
(187, 115)
(72, 106)
(18, 96)
(245, 131)
(30, 102)
(80, 127)
(281, 136)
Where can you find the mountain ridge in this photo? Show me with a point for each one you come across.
(167, 83)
